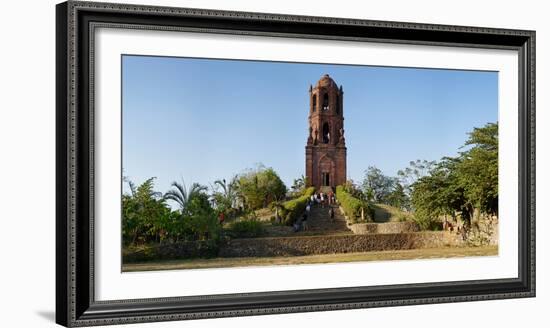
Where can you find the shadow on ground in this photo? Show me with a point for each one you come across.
(48, 315)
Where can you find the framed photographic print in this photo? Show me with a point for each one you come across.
(215, 163)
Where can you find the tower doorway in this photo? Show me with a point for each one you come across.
(325, 178)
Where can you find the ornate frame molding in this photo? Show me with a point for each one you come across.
(76, 25)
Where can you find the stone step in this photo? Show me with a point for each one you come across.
(319, 220)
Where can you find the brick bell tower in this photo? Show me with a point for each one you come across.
(326, 145)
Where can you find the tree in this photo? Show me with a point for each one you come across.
(142, 212)
(201, 222)
(277, 206)
(437, 194)
(353, 189)
(298, 185)
(225, 195)
(261, 186)
(196, 219)
(478, 169)
(466, 184)
(274, 186)
(397, 197)
(416, 170)
(376, 185)
(182, 196)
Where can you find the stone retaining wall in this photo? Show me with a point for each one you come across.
(171, 251)
(315, 245)
(388, 227)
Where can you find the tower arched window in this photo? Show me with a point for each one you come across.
(314, 102)
(337, 104)
(326, 133)
(325, 101)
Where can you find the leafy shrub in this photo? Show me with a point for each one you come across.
(427, 220)
(247, 228)
(294, 208)
(352, 206)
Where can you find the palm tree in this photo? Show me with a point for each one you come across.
(299, 184)
(229, 191)
(183, 196)
(278, 206)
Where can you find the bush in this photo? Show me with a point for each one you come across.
(427, 221)
(294, 208)
(352, 206)
(247, 228)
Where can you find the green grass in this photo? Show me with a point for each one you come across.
(387, 213)
(427, 253)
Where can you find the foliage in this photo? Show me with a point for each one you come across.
(261, 186)
(353, 206)
(294, 208)
(478, 169)
(201, 222)
(183, 196)
(246, 228)
(299, 185)
(147, 218)
(416, 170)
(143, 212)
(376, 185)
(466, 184)
(436, 195)
(353, 189)
(398, 197)
(277, 207)
(225, 196)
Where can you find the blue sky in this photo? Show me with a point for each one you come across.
(203, 119)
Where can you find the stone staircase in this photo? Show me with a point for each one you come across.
(326, 190)
(319, 221)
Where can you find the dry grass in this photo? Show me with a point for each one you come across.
(427, 253)
(387, 213)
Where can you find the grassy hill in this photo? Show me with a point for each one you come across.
(387, 213)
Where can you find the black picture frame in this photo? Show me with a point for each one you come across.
(75, 302)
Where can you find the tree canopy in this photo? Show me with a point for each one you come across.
(261, 186)
(466, 184)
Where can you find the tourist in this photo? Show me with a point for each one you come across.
(331, 213)
(322, 200)
(312, 198)
(308, 209)
(304, 221)
(296, 227)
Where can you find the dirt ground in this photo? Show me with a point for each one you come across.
(427, 253)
